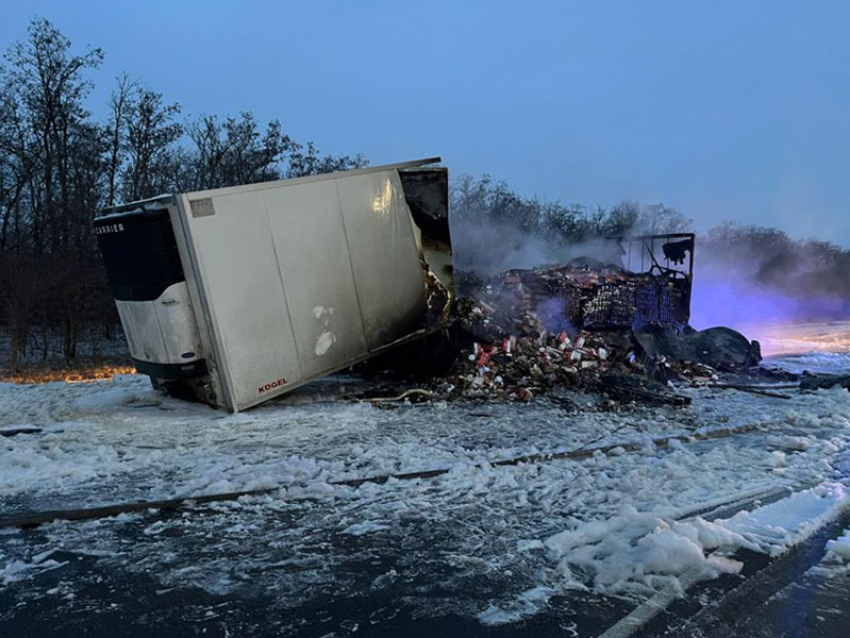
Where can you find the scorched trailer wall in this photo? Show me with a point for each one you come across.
(237, 295)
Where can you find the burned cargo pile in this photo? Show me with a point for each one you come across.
(522, 342)
(582, 325)
(515, 356)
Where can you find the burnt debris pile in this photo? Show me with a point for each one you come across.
(590, 326)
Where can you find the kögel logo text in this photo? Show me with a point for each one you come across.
(271, 386)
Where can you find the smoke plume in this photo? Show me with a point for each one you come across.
(490, 249)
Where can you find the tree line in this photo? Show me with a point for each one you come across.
(483, 200)
(60, 165)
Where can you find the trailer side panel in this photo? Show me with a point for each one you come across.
(309, 235)
(385, 257)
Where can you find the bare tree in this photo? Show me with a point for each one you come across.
(15, 166)
(306, 160)
(234, 151)
(51, 87)
(151, 134)
(116, 126)
(658, 218)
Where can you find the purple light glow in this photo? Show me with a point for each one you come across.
(739, 305)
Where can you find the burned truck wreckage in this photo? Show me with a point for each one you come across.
(590, 294)
(618, 324)
(237, 295)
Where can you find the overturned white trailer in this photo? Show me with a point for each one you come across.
(237, 295)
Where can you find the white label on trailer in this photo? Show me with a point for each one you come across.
(203, 207)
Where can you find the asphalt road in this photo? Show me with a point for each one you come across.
(786, 596)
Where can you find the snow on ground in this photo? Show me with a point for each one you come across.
(493, 543)
(640, 553)
(814, 362)
(838, 550)
(775, 527)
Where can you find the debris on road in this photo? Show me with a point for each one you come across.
(719, 348)
(21, 429)
(413, 395)
(514, 356)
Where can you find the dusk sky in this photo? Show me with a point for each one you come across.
(722, 109)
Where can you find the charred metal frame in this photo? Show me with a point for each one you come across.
(624, 296)
(673, 271)
(613, 296)
(648, 249)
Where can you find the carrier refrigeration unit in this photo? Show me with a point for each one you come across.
(237, 295)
